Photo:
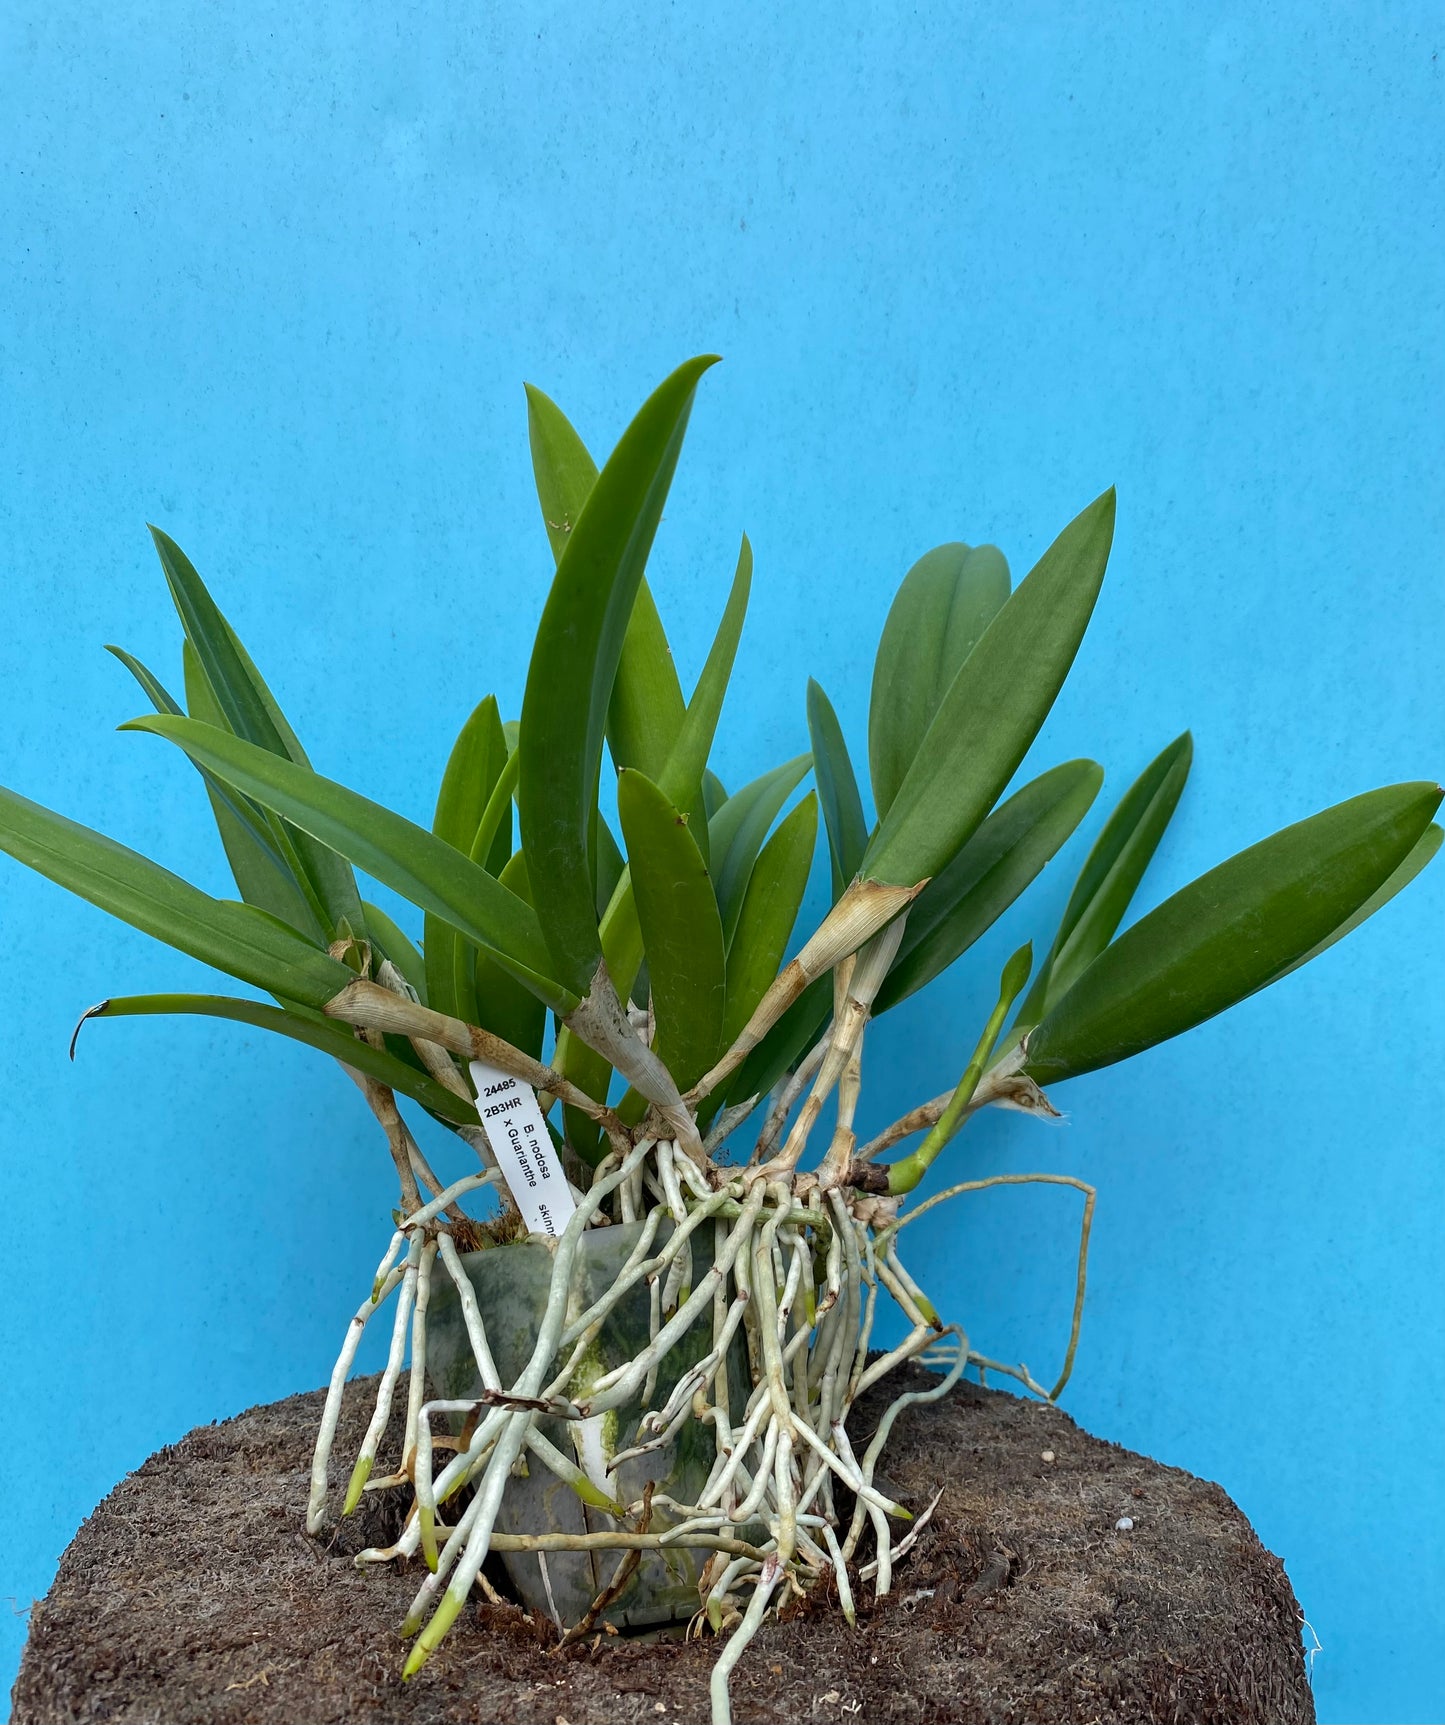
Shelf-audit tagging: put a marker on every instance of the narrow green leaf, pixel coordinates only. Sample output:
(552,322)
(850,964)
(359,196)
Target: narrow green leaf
(321,1034)
(769,910)
(947,599)
(1110,877)
(645,709)
(714,793)
(156,692)
(739,828)
(682,774)
(994,706)
(574,664)
(239,939)
(473,768)
(1231,931)
(837,790)
(503,1005)
(681,930)
(391,849)
(248,833)
(256,865)
(1423,851)
(250,711)
(565,473)
(392,942)
(998,863)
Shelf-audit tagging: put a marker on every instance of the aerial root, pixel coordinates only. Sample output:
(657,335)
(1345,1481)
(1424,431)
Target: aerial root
(788,1275)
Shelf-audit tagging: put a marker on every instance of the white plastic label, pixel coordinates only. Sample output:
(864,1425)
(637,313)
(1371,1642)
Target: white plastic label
(523,1147)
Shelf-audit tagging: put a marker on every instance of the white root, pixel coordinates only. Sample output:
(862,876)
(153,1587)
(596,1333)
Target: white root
(792,1280)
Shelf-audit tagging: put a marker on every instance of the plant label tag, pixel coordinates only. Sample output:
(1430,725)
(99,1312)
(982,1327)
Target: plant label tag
(523,1147)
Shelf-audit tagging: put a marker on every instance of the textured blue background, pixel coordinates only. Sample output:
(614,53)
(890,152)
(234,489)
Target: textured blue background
(274,282)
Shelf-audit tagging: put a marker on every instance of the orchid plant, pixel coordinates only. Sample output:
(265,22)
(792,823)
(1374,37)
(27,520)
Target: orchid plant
(639,983)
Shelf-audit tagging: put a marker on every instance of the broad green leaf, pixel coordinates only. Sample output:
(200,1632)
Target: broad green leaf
(947,599)
(681,930)
(997,864)
(786,1043)
(769,910)
(714,793)
(738,829)
(645,709)
(1231,931)
(574,664)
(504,1006)
(837,790)
(1425,848)
(248,834)
(391,849)
(250,711)
(393,943)
(237,938)
(321,1034)
(476,763)
(994,706)
(1110,876)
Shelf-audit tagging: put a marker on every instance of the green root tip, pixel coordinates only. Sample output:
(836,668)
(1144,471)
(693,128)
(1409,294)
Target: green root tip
(359,1476)
(445,1615)
(428,1528)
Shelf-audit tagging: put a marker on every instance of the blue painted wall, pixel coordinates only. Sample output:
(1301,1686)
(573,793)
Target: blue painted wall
(272,277)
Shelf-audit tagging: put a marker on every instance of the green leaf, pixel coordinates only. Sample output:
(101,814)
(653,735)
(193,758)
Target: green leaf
(239,939)
(262,875)
(714,793)
(1110,876)
(739,828)
(998,863)
(611,864)
(769,910)
(994,706)
(1424,850)
(249,710)
(391,849)
(156,692)
(472,770)
(837,790)
(393,943)
(575,662)
(320,1034)
(1231,931)
(645,709)
(565,473)
(682,774)
(503,1005)
(681,929)
(476,763)
(947,599)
